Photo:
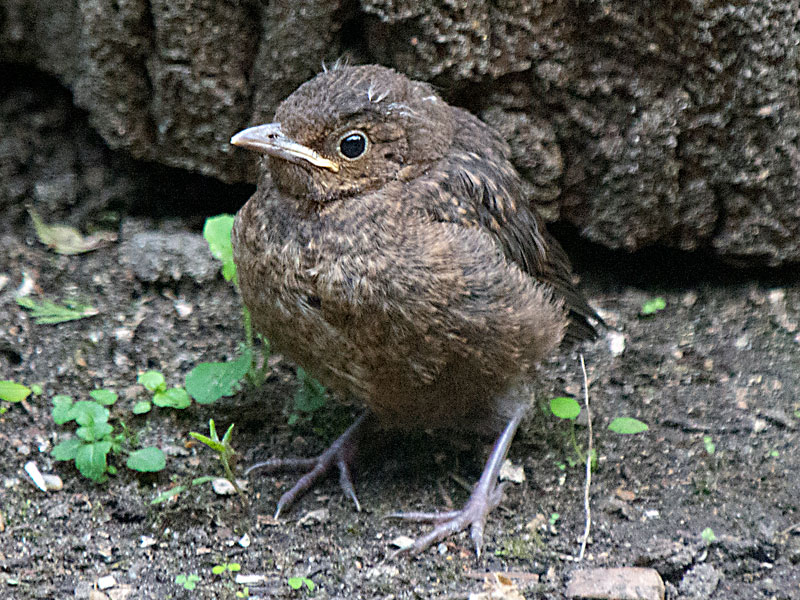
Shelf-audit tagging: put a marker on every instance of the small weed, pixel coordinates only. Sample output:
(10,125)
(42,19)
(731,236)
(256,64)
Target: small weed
(189,582)
(773,453)
(155,382)
(554,517)
(47,312)
(297,582)
(709,445)
(569,410)
(226,568)
(309,398)
(13,392)
(178,489)
(208,382)
(95,438)
(653,306)
(708,536)
(224,450)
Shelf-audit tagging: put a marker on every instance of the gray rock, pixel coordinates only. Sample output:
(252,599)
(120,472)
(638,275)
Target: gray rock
(700,582)
(166,257)
(653,125)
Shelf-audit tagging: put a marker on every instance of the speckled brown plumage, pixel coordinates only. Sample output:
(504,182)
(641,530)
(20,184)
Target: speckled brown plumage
(413,278)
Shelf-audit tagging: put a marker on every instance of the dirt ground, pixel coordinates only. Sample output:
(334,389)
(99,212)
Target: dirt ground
(719,365)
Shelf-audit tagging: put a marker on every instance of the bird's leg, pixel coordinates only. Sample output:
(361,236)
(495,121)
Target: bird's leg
(486,495)
(340,453)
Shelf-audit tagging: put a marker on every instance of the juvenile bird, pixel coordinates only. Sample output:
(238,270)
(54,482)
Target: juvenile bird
(389,250)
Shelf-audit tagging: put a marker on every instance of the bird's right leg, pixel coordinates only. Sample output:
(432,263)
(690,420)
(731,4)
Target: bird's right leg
(340,453)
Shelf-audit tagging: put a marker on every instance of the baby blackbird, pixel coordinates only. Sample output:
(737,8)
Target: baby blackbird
(390,251)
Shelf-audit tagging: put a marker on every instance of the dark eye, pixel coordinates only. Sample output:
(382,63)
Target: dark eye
(353,144)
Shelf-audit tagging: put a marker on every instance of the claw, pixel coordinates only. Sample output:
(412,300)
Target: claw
(340,453)
(486,496)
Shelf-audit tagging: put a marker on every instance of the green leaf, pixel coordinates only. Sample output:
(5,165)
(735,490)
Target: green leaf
(565,408)
(91,460)
(67,449)
(62,409)
(152,380)
(213,444)
(147,460)
(209,382)
(47,312)
(141,407)
(13,392)
(627,425)
(217,231)
(311,395)
(218,569)
(295,582)
(86,412)
(653,306)
(172,398)
(708,535)
(170,493)
(94,432)
(104,397)
(227,437)
(189,582)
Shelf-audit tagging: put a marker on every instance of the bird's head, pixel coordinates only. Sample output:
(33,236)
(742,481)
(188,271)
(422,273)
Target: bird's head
(352,130)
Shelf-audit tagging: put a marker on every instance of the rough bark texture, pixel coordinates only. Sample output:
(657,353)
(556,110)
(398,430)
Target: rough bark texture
(640,123)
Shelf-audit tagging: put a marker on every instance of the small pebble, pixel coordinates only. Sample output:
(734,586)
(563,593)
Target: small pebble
(402,542)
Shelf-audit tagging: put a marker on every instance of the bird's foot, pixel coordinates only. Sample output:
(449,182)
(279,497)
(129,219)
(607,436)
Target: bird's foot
(488,493)
(340,453)
(473,515)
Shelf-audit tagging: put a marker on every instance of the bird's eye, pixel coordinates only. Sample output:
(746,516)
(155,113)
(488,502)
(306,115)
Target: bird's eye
(353,144)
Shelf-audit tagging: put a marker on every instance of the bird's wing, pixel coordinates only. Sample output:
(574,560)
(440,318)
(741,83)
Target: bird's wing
(477,185)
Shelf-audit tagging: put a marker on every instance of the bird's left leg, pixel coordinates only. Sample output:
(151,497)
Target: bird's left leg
(340,454)
(485,497)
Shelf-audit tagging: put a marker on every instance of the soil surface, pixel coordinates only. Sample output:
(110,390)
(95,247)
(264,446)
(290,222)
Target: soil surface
(715,375)
(719,365)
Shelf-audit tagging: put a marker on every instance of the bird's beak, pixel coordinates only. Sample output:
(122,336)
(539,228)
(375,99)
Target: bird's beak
(269,139)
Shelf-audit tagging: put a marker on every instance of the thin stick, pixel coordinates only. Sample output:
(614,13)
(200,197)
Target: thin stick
(586,507)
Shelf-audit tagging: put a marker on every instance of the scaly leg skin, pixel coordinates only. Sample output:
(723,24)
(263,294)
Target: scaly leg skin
(340,453)
(485,497)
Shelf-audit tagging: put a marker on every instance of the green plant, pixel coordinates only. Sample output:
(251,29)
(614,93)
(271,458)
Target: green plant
(188,582)
(11,391)
(709,445)
(568,409)
(95,438)
(179,489)
(708,536)
(226,568)
(309,398)
(224,450)
(651,307)
(47,312)
(554,517)
(175,397)
(297,582)
(210,381)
